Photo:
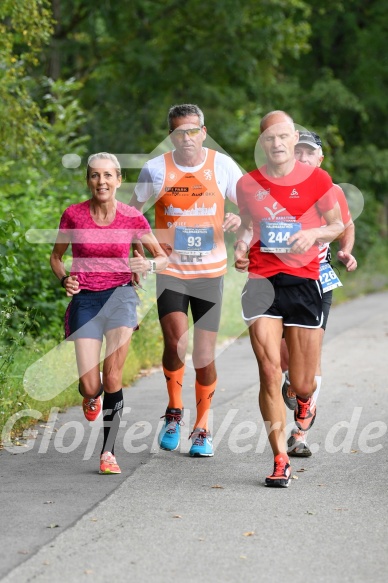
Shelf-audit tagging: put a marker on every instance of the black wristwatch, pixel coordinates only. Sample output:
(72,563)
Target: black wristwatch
(63,279)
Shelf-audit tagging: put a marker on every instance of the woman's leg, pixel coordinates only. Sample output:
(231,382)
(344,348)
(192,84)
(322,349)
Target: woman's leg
(117,344)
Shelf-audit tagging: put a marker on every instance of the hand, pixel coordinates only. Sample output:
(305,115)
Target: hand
(139,249)
(348,260)
(231,222)
(241,264)
(241,261)
(71,285)
(302,241)
(138,263)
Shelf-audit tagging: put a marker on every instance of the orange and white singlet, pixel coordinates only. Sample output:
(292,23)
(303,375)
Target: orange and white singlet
(189,212)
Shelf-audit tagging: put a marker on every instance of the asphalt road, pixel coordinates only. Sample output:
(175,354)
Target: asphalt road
(172,517)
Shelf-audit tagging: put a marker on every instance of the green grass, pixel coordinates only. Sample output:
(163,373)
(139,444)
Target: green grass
(370,276)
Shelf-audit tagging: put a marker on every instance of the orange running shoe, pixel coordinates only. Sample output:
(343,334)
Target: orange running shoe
(108,464)
(92,408)
(305,413)
(281,472)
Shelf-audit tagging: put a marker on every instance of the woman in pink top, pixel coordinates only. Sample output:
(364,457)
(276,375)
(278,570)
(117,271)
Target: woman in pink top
(100,284)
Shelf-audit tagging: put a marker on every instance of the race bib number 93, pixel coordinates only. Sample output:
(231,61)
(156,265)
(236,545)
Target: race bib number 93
(194,241)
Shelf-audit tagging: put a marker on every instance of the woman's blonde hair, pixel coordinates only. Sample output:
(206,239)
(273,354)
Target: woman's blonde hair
(103,156)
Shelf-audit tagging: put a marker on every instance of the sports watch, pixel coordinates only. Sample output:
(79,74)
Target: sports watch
(152,268)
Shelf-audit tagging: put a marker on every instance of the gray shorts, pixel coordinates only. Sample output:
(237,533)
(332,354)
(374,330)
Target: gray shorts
(90,314)
(326,305)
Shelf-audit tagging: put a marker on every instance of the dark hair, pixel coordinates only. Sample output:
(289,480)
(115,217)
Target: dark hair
(184,110)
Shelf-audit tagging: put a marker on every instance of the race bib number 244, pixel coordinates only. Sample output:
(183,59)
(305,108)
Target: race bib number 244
(275,234)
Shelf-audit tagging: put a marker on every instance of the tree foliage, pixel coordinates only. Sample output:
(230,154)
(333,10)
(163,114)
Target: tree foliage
(79,75)
(25,28)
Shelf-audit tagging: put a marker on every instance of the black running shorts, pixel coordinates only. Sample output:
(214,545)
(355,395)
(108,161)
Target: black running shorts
(295,300)
(203,295)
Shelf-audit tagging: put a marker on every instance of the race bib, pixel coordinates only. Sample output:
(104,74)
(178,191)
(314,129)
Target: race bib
(275,234)
(194,240)
(328,277)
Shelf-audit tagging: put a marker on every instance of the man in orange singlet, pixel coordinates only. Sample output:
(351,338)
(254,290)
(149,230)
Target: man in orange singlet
(189,186)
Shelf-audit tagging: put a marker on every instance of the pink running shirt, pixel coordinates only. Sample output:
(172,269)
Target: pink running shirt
(101,253)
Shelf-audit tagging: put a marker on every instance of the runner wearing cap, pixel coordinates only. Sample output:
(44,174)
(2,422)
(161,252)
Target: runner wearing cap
(308,150)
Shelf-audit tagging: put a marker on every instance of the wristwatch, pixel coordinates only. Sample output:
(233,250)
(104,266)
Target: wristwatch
(152,268)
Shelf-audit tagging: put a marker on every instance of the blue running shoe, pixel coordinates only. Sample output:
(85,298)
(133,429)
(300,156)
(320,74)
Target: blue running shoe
(202,443)
(170,435)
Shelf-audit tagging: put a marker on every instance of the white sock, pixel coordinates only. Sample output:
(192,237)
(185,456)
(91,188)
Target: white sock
(318,378)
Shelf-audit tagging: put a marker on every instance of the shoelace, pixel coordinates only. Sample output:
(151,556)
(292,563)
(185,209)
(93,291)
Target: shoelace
(303,408)
(91,404)
(201,436)
(173,419)
(279,469)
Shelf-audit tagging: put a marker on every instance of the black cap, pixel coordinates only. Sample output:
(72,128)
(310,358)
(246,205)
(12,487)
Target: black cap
(310,139)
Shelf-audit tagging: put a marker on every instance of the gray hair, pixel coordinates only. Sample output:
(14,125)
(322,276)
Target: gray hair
(184,110)
(103,156)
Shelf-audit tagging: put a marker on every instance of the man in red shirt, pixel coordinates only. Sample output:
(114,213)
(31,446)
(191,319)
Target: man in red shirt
(281,207)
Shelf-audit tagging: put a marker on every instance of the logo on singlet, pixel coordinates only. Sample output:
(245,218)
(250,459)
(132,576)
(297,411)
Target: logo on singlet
(262,194)
(273,213)
(294,194)
(208,174)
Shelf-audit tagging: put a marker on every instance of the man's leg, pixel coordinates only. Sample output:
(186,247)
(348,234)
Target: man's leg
(265,334)
(297,442)
(206,302)
(175,336)
(206,374)
(304,352)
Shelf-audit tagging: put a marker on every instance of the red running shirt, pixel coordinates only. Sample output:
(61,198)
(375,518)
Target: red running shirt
(302,196)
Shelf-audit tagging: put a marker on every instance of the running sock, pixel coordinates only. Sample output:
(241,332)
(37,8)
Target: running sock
(203,395)
(112,411)
(174,380)
(318,379)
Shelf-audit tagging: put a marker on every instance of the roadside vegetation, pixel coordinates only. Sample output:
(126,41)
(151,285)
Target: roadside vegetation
(76,79)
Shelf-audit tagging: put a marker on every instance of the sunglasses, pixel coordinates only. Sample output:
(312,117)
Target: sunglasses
(191,132)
